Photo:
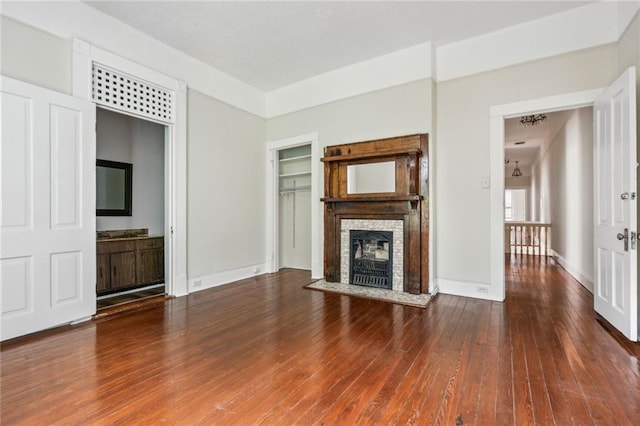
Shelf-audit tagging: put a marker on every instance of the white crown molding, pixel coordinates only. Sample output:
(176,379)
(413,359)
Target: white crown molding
(592,25)
(74,19)
(402,66)
(589,26)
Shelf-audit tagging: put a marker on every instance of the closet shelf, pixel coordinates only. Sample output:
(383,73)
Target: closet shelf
(295,174)
(301,157)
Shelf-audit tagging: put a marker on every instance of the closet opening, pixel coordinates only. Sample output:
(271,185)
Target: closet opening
(294,207)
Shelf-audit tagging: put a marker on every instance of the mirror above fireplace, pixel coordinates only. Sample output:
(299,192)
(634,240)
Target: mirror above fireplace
(371,178)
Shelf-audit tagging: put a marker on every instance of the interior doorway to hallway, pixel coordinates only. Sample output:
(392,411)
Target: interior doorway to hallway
(549,188)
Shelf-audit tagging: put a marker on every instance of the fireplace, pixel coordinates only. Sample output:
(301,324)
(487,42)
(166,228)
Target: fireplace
(371,255)
(401,209)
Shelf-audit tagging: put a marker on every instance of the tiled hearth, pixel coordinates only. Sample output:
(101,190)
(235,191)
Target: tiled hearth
(394,226)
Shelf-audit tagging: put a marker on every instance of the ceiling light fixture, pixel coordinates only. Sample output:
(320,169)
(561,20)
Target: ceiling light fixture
(516,171)
(532,120)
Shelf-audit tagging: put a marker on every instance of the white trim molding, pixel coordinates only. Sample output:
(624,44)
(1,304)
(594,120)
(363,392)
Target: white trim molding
(225,277)
(83,56)
(75,19)
(476,290)
(592,25)
(272,207)
(396,68)
(585,280)
(581,28)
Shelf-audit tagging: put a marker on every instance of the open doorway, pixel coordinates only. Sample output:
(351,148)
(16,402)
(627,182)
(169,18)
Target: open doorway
(549,189)
(130,264)
(293,169)
(294,207)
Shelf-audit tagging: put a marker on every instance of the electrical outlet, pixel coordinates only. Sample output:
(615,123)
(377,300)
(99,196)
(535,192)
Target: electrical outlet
(485,182)
(197,283)
(482,289)
(256,269)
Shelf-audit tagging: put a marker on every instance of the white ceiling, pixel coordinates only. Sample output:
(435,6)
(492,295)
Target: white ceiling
(271,44)
(534,138)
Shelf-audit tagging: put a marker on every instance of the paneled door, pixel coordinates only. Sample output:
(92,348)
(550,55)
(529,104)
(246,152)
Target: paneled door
(47,218)
(616,274)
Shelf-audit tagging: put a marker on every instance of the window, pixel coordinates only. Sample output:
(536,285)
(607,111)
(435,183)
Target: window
(515,205)
(508,207)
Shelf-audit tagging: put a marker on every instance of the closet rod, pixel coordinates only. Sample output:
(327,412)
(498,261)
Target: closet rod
(296,189)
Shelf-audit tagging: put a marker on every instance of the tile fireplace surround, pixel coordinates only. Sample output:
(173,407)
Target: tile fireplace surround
(394,226)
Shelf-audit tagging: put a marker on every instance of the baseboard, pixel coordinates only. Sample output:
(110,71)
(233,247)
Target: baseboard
(467,289)
(180,286)
(584,280)
(225,277)
(316,270)
(433,287)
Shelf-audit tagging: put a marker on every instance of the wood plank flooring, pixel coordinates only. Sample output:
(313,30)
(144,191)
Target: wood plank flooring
(266,351)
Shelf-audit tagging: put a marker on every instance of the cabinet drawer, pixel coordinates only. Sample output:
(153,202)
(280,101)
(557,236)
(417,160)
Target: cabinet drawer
(150,243)
(104,247)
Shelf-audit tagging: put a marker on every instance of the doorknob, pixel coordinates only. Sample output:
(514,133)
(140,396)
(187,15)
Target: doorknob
(624,237)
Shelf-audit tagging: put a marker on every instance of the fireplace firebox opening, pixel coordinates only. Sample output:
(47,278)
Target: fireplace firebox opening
(371,255)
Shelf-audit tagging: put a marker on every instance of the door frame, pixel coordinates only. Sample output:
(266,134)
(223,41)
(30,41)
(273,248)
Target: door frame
(83,56)
(498,113)
(272,209)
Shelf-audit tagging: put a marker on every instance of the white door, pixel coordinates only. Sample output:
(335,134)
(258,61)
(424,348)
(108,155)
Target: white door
(47,218)
(616,282)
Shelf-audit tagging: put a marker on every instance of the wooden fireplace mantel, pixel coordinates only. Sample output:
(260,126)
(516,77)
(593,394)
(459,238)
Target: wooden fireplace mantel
(409,201)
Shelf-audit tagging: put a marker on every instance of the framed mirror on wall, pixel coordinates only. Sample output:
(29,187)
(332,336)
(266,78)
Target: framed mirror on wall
(113,188)
(371,178)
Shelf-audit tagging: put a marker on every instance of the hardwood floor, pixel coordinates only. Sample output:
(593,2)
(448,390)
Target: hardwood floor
(266,351)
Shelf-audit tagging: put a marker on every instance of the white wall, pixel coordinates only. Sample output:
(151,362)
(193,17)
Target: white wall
(226,171)
(226,149)
(462,142)
(35,57)
(147,157)
(400,110)
(462,107)
(142,143)
(564,177)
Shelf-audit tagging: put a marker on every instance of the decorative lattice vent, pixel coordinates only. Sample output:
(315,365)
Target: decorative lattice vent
(121,91)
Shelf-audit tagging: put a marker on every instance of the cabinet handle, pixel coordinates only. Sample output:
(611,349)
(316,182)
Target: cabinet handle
(114,271)
(100,272)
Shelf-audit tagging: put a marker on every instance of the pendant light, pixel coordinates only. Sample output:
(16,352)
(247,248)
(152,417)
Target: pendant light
(516,171)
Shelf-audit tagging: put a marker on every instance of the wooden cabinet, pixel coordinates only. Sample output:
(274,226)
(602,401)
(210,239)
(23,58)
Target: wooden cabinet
(103,278)
(129,263)
(150,260)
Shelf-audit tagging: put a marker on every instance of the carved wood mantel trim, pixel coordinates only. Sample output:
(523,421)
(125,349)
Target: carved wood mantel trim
(409,202)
